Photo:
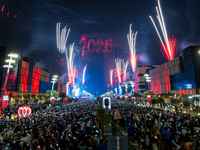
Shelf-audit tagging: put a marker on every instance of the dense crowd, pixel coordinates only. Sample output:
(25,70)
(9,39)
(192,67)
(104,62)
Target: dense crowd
(77,126)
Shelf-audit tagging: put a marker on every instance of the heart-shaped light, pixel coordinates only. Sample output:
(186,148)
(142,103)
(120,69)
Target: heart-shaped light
(24,111)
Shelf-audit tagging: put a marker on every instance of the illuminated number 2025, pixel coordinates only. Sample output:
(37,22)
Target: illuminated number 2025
(99,43)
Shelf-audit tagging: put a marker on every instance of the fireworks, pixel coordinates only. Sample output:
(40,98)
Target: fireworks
(2,9)
(70,64)
(84,69)
(61,46)
(61,37)
(111,76)
(132,42)
(169,45)
(118,68)
(125,65)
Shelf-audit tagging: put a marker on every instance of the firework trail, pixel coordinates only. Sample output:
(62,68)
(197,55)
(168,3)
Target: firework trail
(84,69)
(61,46)
(125,65)
(70,64)
(111,76)
(2,9)
(168,45)
(132,42)
(61,37)
(119,69)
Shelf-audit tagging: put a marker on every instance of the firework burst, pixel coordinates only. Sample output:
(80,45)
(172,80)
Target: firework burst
(125,65)
(132,42)
(84,69)
(168,45)
(119,69)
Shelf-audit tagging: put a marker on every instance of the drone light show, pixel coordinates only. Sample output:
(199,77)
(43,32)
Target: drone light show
(95,46)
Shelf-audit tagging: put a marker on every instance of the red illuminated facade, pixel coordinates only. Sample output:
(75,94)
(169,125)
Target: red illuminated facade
(161,76)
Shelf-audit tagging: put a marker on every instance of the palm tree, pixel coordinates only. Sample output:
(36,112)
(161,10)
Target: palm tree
(27,98)
(33,96)
(186,104)
(137,95)
(160,101)
(40,97)
(62,95)
(54,94)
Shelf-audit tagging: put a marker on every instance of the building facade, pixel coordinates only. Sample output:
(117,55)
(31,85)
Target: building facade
(180,75)
(24,77)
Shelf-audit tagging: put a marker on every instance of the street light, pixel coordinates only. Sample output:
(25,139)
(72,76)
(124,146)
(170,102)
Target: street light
(9,61)
(53,80)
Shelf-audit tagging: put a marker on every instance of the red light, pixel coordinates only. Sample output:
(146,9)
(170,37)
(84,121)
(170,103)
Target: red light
(7,14)
(2,8)
(83,38)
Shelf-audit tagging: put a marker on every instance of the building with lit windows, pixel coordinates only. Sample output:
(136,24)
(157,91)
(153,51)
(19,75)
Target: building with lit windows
(24,77)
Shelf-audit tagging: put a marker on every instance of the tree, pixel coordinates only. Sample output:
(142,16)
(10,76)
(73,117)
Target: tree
(100,111)
(47,101)
(186,104)
(62,95)
(54,94)
(153,101)
(146,93)
(183,97)
(27,97)
(106,119)
(40,97)
(160,101)
(33,96)
(136,95)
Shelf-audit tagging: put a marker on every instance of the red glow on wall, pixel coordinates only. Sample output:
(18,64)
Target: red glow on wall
(7,14)
(36,80)
(158,84)
(170,52)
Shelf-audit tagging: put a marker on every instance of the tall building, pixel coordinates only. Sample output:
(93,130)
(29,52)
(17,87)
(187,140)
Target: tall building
(24,77)
(140,78)
(180,75)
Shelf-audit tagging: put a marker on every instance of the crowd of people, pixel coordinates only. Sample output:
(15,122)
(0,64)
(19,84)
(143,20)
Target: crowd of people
(76,126)
(155,129)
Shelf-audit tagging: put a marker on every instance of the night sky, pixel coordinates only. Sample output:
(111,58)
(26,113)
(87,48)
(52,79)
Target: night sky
(30,29)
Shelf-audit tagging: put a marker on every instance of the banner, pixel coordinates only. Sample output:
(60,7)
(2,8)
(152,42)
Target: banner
(4,104)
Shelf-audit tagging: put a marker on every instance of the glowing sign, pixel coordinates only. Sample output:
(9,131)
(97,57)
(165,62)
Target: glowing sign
(92,46)
(24,111)
(189,86)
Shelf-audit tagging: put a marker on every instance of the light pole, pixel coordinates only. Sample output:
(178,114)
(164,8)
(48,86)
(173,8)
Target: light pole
(9,61)
(53,80)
